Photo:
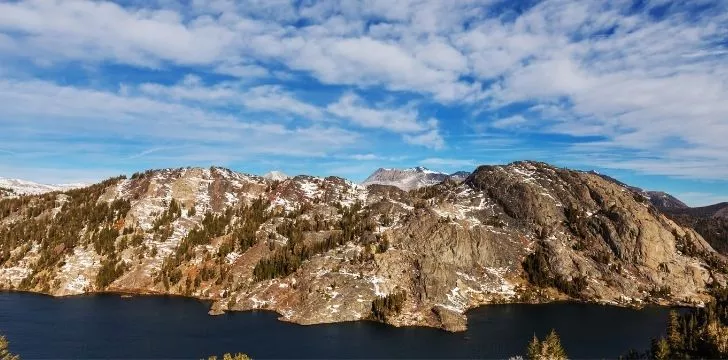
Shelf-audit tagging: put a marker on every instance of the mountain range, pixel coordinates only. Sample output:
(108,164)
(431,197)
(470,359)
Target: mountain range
(25,187)
(318,250)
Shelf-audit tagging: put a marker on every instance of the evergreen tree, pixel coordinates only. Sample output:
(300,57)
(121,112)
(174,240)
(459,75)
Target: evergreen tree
(5,353)
(551,346)
(548,349)
(388,305)
(674,338)
(660,349)
(533,350)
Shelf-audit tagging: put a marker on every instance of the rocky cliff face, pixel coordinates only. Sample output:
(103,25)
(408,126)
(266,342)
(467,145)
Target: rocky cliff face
(321,250)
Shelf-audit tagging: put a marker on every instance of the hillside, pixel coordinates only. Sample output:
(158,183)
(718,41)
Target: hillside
(320,250)
(709,221)
(719,210)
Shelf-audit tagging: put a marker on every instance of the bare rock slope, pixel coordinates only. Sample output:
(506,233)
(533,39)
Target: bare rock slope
(320,250)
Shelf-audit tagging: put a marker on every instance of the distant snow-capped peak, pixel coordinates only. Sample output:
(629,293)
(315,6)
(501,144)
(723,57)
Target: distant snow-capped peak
(411,178)
(25,187)
(276,175)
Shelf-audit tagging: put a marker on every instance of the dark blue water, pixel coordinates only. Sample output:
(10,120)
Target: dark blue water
(107,326)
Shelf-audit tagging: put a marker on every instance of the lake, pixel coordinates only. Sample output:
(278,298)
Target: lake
(103,326)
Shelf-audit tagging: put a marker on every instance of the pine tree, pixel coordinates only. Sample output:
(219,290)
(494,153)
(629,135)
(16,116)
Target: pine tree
(5,351)
(660,349)
(553,348)
(548,349)
(674,339)
(533,351)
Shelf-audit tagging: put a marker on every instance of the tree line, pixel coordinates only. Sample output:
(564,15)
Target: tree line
(352,227)
(386,306)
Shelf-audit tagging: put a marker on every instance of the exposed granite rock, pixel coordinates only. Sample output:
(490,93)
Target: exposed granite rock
(525,232)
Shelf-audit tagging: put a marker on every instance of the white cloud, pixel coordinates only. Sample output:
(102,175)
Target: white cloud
(639,82)
(431,139)
(86,30)
(403,120)
(274,98)
(508,122)
(365,157)
(352,107)
(63,111)
(270,98)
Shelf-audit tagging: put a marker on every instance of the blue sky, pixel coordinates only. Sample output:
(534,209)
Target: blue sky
(634,89)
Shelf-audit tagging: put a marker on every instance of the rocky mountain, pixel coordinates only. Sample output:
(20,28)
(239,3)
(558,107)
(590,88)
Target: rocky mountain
(276,175)
(318,250)
(709,221)
(412,178)
(663,200)
(659,199)
(24,187)
(459,176)
(719,210)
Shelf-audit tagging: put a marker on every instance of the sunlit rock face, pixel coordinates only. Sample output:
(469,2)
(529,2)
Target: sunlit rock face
(320,250)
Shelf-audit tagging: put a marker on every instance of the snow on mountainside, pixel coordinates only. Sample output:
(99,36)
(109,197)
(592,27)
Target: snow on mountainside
(24,187)
(320,250)
(276,175)
(412,178)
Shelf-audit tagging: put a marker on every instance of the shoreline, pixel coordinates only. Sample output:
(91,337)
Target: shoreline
(280,317)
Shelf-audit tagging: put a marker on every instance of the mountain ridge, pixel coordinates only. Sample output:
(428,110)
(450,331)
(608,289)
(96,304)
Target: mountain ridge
(318,250)
(411,178)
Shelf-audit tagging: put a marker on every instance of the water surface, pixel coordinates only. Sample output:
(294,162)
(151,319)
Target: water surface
(108,326)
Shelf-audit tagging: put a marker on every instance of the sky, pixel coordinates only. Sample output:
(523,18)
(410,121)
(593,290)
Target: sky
(634,89)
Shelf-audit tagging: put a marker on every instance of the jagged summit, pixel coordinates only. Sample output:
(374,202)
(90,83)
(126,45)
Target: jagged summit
(411,178)
(405,179)
(276,175)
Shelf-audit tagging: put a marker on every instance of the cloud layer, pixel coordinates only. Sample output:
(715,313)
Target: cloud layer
(638,86)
